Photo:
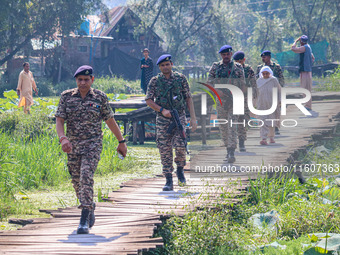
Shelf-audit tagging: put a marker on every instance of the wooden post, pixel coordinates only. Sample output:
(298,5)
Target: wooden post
(204,129)
(134,137)
(141,132)
(126,127)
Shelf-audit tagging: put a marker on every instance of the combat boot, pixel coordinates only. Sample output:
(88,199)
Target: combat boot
(231,155)
(241,145)
(180,176)
(169,184)
(92,218)
(83,227)
(277,131)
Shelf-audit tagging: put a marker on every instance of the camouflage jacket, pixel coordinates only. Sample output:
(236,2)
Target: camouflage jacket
(169,93)
(277,72)
(231,73)
(250,78)
(84,117)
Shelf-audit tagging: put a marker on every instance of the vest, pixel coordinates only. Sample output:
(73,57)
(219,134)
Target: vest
(223,75)
(170,97)
(306,62)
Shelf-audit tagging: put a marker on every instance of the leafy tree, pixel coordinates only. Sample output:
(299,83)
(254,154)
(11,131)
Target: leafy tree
(192,32)
(22,20)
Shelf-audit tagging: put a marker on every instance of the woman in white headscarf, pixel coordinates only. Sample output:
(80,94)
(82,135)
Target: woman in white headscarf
(265,85)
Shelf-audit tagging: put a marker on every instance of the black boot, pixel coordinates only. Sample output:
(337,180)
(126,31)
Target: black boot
(83,227)
(92,217)
(169,184)
(241,145)
(180,176)
(277,131)
(231,155)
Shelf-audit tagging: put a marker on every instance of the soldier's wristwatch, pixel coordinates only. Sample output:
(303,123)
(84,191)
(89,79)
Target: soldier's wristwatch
(122,141)
(160,110)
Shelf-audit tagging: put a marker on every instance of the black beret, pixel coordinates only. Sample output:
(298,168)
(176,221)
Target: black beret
(165,57)
(238,55)
(266,53)
(83,70)
(225,48)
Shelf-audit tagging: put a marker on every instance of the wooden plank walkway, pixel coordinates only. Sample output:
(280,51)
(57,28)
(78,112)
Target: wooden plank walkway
(288,144)
(125,224)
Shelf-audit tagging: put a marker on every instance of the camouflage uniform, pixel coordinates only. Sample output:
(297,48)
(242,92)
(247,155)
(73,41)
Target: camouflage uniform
(232,73)
(250,82)
(277,72)
(163,90)
(84,122)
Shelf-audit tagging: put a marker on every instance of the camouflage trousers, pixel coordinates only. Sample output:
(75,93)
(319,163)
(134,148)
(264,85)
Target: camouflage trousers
(82,168)
(242,129)
(228,132)
(167,141)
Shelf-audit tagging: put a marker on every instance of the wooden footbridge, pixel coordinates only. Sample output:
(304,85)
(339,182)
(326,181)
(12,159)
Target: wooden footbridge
(125,224)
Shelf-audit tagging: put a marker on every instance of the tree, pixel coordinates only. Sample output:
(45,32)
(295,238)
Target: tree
(191,31)
(22,20)
(178,22)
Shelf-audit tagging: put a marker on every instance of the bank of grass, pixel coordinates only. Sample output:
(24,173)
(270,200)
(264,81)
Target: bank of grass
(313,207)
(331,82)
(33,171)
(107,84)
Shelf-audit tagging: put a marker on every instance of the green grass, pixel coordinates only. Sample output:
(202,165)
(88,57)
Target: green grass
(26,203)
(331,82)
(303,209)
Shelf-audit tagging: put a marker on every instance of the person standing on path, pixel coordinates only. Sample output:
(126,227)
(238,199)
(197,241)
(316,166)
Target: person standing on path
(226,71)
(84,109)
(147,70)
(277,72)
(26,83)
(169,91)
(249,75)
(305,65)
(265,84)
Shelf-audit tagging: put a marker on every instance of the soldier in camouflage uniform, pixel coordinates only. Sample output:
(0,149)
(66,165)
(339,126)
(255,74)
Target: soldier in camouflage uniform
(277,72)
(227,71)
(249,74)
(170,90)
(84,109)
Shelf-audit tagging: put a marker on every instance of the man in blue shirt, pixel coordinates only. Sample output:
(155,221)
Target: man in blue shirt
(305,65)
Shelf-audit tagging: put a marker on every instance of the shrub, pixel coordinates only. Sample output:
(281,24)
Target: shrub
(4,86)
(116,85)
(332,82)
(45,87)
(33,125)
(9,121)
(64,85)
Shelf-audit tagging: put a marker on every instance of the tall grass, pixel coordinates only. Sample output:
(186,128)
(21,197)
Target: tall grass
(271,189)
(116,85)
(332,82)
(31,157)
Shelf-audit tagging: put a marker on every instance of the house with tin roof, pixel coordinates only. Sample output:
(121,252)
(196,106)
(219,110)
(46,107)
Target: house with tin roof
(108,42)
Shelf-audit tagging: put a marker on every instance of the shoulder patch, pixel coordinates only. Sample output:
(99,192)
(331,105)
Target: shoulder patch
(238,65)
(69,91)
(99,92)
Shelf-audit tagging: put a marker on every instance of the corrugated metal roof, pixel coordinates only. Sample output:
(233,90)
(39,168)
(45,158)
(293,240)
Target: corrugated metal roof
(114,15)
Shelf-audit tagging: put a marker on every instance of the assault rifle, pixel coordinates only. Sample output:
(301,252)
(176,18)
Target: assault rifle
(176,123)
